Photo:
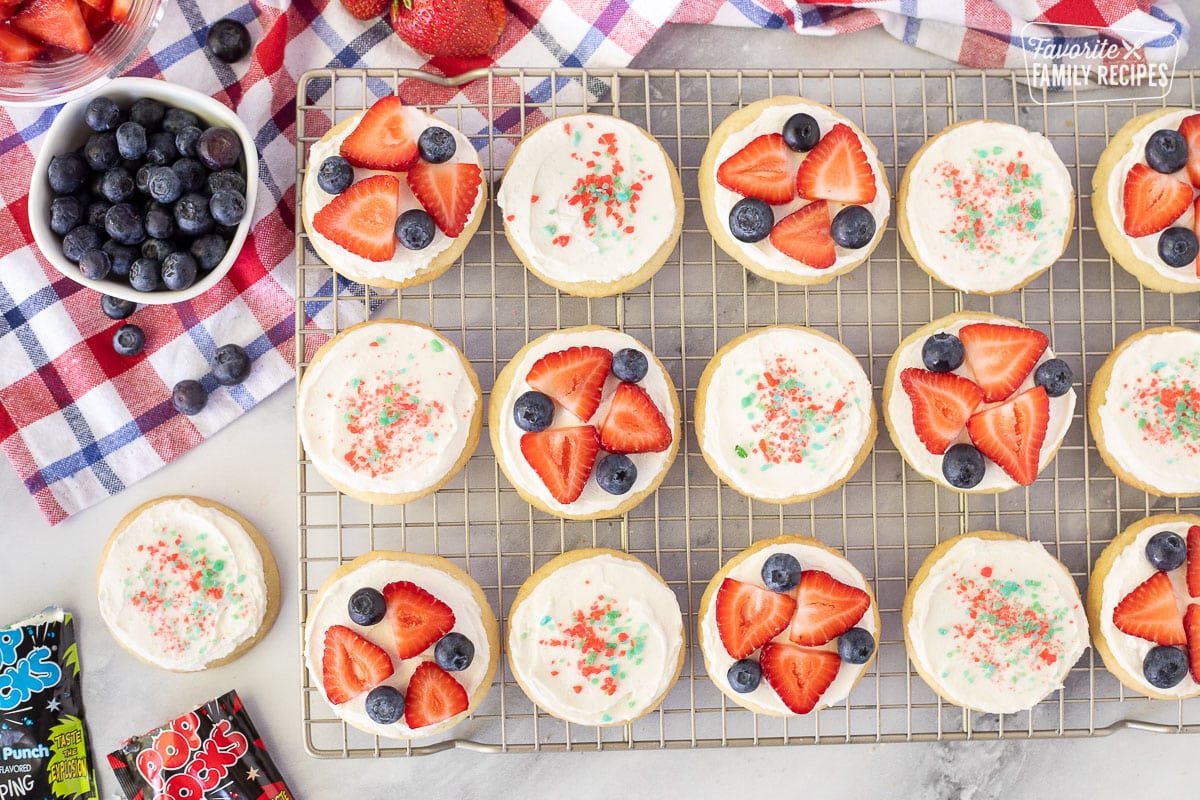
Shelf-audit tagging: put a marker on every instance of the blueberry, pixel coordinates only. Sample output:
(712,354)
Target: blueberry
(963,466)
(801,133)
(145,274)
(228,179)
(189,397)
(1164,666)
(115,307)
(385,705)
(209,250)
(415,229)
(147,113)
(124,224)
(176,119)
(855,646)
(1166,151)
(95,265)
(219,148)
(227,207)
(67,173)
(942,352)
(160,222)
(1177,247)
(129,340)
(228,40)
(781,572)
(141,178)
(192,215)
(117,185)
(1054,376)
(454,652)
(230,365)
(335,175)
(192,174)
(186,140)
(751,220)
(853,227)
(744,676)
(65,213)
(131,141)
(616,473)
(436,145)
(533,411)
(97,210)
(100,151)
(163,184)
(158,249)
(1166,550)
(120,256)
(102,114)
(179,270)
(160,149)
(366,606)
(630,364)
(79,240)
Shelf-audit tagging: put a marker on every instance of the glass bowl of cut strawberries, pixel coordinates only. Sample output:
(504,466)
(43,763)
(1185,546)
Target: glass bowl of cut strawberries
(54,50)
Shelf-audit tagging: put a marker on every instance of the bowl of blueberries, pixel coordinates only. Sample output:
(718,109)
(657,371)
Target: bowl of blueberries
(144,191)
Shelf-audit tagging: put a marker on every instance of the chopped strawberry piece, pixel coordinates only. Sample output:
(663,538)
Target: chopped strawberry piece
(760,169)
(56,22)
(804,235)
(447,191)
(749,616)
(562,458)
(362,219)
(1196,227)
(634,424)
(942,403)
(98,5)
(837,169)
(573,378)
(382,139)
(351,665)
(119,11)
(1190,129)
(418,618)
(433,696)
(1011,434)
(799,675)
(1191,627)
(1153,200)
(1150,612)
(98,22)
(15,48)
(825,608)
(1001,356)
(1193,560)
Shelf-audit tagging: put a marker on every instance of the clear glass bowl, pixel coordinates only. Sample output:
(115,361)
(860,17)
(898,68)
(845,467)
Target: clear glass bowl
(46,83)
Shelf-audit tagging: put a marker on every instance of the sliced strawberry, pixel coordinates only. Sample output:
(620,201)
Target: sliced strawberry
(573,378)
(837,169)
(447,191)
(804,235)
(942,403)
(382,139)
(97,5)
(1191,627)
(1193,561)
(799,675)
(98,22)
(15,48)
(760,169)
(1001,356)
(1011,434)
(1190,129)
(119,11)
(1153,200)
(1150,612)
(433,696)
(825,608)
(351,665)
(749,616)
(562,458)
(633,423)
(56,22)
(362,219)
(1196,227)
(418,618)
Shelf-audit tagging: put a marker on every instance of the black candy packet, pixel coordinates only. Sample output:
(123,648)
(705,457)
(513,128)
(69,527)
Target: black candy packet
(212,753)
(44,750)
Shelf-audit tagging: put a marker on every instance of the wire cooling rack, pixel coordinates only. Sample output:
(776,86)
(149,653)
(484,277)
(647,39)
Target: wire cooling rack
(886,518)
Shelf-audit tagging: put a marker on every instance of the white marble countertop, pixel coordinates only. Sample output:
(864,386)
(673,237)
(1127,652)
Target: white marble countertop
(251,467)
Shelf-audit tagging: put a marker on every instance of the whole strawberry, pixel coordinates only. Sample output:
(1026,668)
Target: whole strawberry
(449,28)
(365,9)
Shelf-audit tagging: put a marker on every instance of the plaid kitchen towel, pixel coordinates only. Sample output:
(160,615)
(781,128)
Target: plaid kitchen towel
(79,423)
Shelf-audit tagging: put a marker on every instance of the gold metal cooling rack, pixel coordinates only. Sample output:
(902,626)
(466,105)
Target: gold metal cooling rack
(886,518)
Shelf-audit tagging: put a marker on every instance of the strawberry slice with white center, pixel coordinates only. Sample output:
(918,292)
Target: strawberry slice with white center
(383,138)
(1153,200)
(56,22)
(1189,128)
(562,458)
(805,236)
(1193,560)
(350,665)
(749,616)
(418,618)
(1011,434)
(447,191)
(942,402)
(1150,612)
(15,48)
(573,378)
(633,423)
(760,169)
(837,169)
(362,219)
(1001,356)
(799,675)
(119,10)
(825,608)
(433,696)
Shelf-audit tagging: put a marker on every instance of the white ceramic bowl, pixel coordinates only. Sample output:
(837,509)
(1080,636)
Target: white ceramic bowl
(68,132)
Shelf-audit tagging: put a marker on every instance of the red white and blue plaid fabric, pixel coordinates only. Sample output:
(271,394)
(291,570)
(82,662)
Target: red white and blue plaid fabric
(79,423)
